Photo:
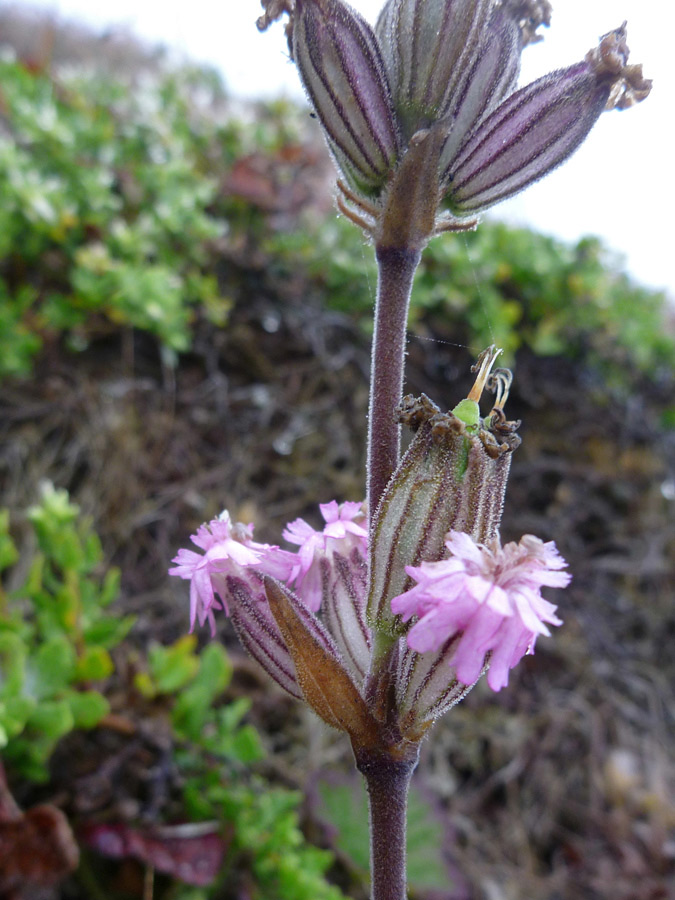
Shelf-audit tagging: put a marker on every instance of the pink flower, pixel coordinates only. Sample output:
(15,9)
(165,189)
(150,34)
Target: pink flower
(229,572)
(344,531)
(488,597)
(228,550)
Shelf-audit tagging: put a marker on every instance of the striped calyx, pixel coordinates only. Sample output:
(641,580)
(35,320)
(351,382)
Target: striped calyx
(429,96)
(341,66)
(539,126)
(453,477)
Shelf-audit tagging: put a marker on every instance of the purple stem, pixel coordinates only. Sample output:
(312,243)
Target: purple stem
(396,270)
(387,780)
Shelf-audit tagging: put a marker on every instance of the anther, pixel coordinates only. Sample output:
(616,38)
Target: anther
(483,365)
(499,384)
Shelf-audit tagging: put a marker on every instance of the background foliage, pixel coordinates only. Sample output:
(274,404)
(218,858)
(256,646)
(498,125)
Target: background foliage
(117,201)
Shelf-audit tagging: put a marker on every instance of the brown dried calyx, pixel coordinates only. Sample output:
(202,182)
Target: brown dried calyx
(274,10)
(415,411)
(530,15)
(498,435)
(609,59)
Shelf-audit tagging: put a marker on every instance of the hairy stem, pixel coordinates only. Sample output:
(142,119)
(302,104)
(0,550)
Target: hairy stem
(396,270)
(388,780)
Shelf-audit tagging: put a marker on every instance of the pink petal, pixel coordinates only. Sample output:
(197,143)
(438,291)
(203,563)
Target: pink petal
(330,511)
(425,634)
(463,546)
(523,601)
(298,531)
(350,509)
(509,649)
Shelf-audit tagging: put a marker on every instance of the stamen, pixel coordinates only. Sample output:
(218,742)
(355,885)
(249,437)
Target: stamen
(499,384)
(483,365)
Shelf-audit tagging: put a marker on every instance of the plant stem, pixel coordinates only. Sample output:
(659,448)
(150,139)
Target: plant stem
(387,780)
(396,270)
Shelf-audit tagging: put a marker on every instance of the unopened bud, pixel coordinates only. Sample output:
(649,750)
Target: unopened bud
(427,47)
(539,126)
(342,71)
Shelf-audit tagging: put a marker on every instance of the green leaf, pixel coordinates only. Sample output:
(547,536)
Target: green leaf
(28,756)
(8,551)
(13,653)
(426,867)
(108,632)
(52,718)
(94,665)
(231,715)
(110,588)
(51,669)
(215,671)
(54,509)
(173,667)
(193,705)
(345,806)
(14,713)
(145,685)
(246,745)
(87,707)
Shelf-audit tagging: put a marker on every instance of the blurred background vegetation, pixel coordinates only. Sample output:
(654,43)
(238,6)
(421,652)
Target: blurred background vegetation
(184,326)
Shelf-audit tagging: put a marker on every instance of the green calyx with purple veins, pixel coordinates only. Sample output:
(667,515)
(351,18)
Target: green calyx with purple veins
(428,99)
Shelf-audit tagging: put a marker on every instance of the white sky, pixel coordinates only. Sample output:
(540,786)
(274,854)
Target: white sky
(619,185)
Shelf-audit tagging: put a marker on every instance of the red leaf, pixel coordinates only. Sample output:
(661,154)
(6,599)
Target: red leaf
(37,848)
(193,853)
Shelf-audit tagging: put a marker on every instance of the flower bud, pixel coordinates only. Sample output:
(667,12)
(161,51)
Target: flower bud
(259,634)
(426,689)
(326,685)
(344,583)
(420,114)
(539,126)
(341,67)
(427,48)
(489,75)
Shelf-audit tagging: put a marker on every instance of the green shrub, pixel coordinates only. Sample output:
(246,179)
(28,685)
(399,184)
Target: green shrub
(55,663)
(503,285)
(104,210)
(113,215)
(55,635)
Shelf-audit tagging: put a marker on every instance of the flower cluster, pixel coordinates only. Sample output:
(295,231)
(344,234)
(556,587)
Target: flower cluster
(482,602)
(423,109)
(408,609)
(229,549)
